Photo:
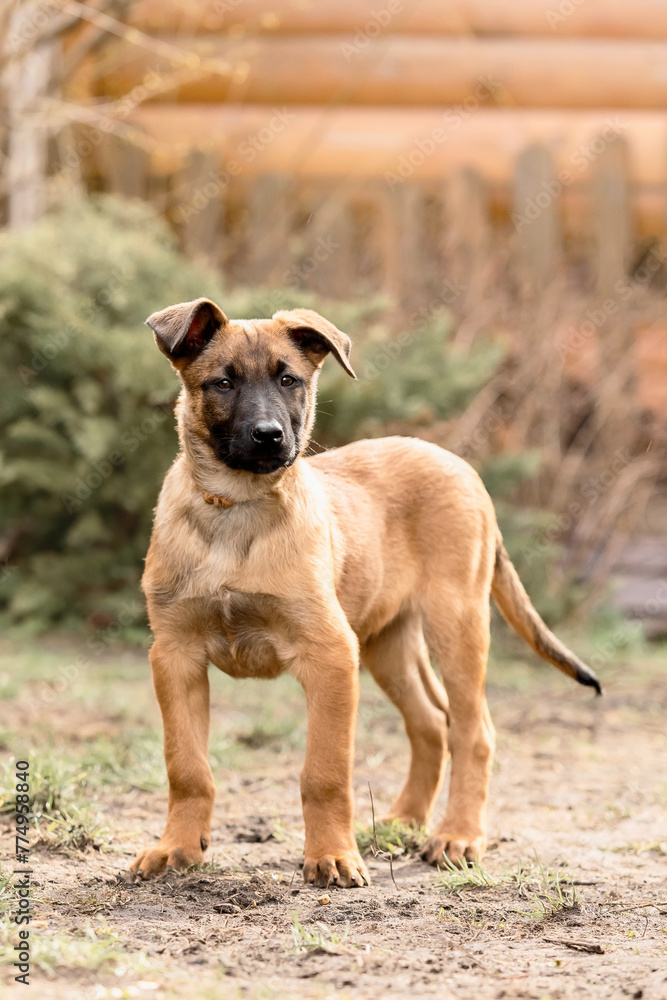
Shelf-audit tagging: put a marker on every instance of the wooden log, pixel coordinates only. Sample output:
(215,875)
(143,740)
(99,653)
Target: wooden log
(594,18)
(402,71)
(360,143)
(365,142)
(535,218)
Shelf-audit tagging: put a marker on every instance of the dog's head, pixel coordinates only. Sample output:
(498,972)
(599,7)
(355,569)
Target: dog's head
(249,385)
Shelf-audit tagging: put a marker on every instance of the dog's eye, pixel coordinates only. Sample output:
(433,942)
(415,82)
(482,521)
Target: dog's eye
(287,380)
(223,384)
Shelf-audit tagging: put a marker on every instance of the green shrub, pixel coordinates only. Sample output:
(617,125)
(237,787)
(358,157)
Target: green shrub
(86,417)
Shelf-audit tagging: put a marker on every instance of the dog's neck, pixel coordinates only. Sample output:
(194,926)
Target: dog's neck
(224,487)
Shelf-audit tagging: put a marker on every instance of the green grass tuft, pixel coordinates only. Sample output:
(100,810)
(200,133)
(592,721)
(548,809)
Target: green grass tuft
(453,878)
(393,837)
(547,892)
(318,937)
(72,830)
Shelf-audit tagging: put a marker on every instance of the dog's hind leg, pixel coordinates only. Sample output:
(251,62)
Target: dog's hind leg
(181,685)
(398,660)
(458,637)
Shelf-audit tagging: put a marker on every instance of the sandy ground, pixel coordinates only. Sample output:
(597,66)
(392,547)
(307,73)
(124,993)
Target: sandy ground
(580,781)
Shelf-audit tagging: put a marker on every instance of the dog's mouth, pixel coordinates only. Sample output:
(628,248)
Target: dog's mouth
(259,465)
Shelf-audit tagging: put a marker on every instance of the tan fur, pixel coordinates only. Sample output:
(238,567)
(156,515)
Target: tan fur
(376,553)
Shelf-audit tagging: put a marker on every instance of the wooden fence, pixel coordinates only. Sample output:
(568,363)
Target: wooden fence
(389,234)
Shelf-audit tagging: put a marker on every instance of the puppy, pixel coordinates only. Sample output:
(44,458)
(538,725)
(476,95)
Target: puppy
(382,553)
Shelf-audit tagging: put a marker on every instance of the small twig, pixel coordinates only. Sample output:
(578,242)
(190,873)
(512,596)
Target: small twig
(635,906)
(377,853)
(474,960)
(587,946)
(292,878)
(375,839)
(391,870)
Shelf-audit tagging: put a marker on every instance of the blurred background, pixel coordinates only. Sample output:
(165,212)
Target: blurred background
(475,191)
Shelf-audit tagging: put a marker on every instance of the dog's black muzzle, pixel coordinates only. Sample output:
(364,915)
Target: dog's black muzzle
(261,447)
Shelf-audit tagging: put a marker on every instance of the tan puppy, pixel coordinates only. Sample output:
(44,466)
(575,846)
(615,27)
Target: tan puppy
(383,553)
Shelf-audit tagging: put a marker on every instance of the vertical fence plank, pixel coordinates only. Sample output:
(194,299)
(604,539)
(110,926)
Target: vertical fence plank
(405,246)
(535,218)
(466,241)
(198,206)
(370,235)
(611,215)
(124,165)
(612,248)
(615,387)
(326,264)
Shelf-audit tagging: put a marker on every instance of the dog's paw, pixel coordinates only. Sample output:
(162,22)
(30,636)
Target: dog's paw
(155,860)
(346,870)
(454,847)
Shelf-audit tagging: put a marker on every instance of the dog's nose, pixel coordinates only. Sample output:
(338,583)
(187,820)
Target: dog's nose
(267,432)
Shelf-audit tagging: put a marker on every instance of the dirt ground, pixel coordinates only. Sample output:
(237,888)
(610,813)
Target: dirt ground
(578,781)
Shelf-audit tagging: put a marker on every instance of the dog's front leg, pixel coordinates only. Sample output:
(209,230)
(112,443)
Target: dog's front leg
(331,682)
(181,684)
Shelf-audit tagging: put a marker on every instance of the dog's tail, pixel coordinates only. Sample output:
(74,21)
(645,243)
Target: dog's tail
(515,607)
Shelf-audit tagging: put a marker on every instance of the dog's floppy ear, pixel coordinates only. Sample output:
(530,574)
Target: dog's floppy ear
(183,331)
(316,336)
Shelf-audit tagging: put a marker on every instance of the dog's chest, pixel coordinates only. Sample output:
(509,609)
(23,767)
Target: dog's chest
(239,590)
(249,635)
